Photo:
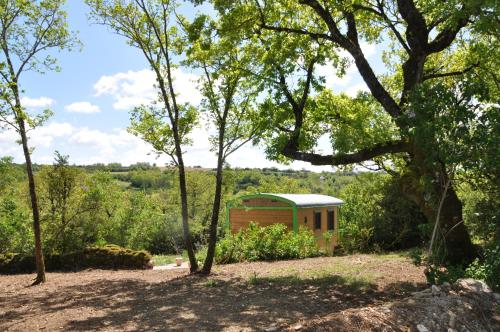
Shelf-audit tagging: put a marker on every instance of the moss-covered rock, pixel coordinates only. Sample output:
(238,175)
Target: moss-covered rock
(107,257)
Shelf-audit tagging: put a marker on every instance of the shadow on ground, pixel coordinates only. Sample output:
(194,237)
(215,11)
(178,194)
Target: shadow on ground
(192,302)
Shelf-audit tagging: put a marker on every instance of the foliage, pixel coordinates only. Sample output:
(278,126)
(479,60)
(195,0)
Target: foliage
(377,217)
(482,212)
(107,257)
(273,242)
(146,178)
(16,233)
(437,274)
(487,267)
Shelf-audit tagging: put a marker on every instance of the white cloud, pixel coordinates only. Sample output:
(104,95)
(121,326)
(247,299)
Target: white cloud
(44,136)
(368,49)
(82,107)
(332,76)
(8,146)
(354,89)
(37,102)
(41,138)
(133,88)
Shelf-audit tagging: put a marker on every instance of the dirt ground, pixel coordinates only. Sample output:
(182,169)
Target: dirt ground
(238,297)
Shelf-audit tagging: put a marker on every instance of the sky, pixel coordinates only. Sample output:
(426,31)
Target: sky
(92,95)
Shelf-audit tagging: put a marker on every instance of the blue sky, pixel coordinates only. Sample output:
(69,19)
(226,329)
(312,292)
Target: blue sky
(97,86)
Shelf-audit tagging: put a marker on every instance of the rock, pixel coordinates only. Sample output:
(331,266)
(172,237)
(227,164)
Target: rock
(453,320)
(446,284)
(472,285)
(496,296)
(419,295)
(297,327)
(385,309)
(435,290)
(271,328)
(422,328)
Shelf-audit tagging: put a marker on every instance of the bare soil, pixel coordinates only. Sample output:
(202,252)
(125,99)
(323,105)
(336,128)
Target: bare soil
(237,297)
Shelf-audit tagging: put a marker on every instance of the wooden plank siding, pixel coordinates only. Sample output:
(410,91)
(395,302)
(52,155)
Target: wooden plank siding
(240,218)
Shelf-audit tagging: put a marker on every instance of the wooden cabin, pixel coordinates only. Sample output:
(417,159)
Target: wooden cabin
(317,212)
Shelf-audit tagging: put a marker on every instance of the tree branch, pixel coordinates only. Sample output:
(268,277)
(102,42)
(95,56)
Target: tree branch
(313,35)
(453,73)
(446,37)
(291,151)
(416,31)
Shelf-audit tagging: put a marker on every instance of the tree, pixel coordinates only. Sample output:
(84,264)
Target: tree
(63,199)
(151,27)
(29,29)
(228,105)
(435,48)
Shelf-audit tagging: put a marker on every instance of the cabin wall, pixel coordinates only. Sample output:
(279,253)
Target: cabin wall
(308,213)
(239,217)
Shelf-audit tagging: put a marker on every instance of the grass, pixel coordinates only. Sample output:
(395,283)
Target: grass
(211,283)
(358,284)
(354,276)
(169,259)
(164,259)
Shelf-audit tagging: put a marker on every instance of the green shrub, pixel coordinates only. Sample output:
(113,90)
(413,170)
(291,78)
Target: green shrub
(377,216)
(436,275)
(273,242)
(487,268)
(107,257)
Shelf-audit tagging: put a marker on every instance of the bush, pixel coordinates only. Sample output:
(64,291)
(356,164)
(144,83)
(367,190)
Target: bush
(273,242)
(487,268)
(107,257)
(436,275)
(377,216)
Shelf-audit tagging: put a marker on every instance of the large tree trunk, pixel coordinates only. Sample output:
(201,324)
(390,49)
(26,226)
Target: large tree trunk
(453,245)
(457,242)
(188,241)
(40,264)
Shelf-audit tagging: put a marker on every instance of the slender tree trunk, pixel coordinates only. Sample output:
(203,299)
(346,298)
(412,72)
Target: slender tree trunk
(207,266)
(188,241)
(40,264)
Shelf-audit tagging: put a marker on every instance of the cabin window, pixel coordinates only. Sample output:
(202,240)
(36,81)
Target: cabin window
(246,200)
(305,220)
(317,220)
(331,220)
